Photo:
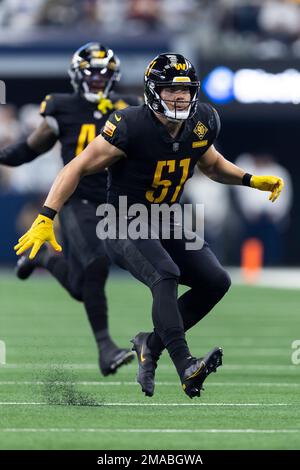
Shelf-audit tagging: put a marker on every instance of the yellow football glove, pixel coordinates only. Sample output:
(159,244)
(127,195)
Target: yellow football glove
(268,183)
(40,232)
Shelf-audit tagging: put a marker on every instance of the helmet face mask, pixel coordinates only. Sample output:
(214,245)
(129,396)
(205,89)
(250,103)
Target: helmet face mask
(94,71)
(165,72)
(96,81)
(177,109)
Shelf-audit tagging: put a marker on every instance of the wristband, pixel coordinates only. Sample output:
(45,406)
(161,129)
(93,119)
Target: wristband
(246,179)
(48,212)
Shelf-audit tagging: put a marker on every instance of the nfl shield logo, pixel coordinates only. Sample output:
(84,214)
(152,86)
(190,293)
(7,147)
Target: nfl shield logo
(175,146)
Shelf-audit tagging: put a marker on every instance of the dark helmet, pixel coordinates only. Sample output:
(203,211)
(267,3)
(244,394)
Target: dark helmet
(170,70)
(94,70)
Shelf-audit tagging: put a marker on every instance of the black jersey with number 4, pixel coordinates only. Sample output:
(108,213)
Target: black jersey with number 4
(79,122)
(156,165)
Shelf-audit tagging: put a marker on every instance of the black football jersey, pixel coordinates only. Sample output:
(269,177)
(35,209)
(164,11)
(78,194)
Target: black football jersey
(79,122)
(157,165)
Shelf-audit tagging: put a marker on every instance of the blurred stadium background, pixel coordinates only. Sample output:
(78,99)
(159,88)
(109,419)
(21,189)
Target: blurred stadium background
(247,53)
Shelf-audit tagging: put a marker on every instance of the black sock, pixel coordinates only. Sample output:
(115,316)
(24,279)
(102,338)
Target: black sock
(155,344)
(168,323)
(104,341)
(91,293)
(94,298)
(177,347)
(194,305)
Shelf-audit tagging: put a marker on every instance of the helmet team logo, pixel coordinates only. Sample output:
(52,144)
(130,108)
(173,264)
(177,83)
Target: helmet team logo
(180,66)
(98,54)
(109,128)
(200,130)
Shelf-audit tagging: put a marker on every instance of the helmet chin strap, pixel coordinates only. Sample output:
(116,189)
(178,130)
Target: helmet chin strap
(175,116)
(92,97)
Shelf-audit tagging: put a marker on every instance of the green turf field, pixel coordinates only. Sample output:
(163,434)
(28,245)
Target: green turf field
(52,396)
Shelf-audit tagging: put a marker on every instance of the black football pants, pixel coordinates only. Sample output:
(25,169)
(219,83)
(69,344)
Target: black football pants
(162,265)
(84,268)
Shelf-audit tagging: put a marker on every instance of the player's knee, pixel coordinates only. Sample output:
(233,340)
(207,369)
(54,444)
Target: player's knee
(169,270)
(76,282)
(222,282)
(76,292)
(97,270)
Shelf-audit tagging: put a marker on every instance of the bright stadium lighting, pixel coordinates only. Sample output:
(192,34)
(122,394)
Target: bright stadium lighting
(218,85)
(247,86)
(259,86)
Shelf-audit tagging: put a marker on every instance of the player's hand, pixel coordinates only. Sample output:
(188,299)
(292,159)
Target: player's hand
(268,183)
(40,232)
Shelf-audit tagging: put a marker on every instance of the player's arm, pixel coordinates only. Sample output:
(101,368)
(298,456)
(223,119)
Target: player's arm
(97,156)
(40,141)
(217,168)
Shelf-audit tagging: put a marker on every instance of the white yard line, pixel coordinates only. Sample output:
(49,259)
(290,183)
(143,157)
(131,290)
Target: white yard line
(13,403)
(148,431)
(165,367)
(165,383)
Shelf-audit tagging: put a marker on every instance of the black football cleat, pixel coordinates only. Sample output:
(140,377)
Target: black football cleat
(147,363)
(199,369)
(110,361)
(25,267)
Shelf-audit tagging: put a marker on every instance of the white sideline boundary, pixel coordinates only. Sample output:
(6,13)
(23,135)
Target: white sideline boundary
(282,278)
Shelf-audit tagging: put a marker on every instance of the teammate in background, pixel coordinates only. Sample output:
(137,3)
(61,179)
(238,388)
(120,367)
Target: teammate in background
(75,119)
(151,150)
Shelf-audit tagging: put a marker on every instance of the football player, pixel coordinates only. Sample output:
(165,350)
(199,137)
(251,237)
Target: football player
(151,150)
(75,119)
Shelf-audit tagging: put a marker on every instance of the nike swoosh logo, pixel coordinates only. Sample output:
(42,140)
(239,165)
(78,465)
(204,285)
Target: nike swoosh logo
(118,118)
(41,222)
(142,355)
(202,365)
